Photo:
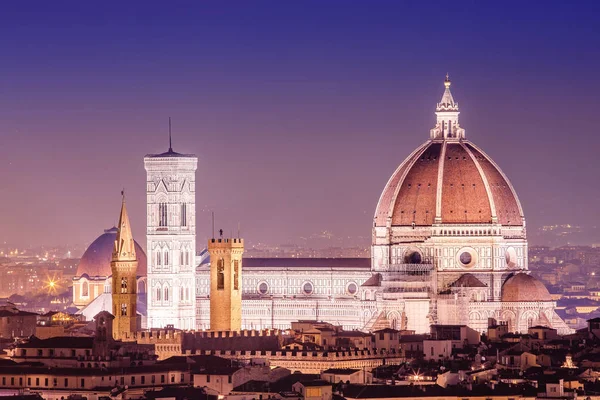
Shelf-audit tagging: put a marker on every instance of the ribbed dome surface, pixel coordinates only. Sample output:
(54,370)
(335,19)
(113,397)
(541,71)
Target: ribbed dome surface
(523,287)
(96,259)
(453,181)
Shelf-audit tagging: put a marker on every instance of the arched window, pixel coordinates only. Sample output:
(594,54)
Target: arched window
(166,257)
(181,257)
(158,258)
(162,214)
(123,285)
(187,257)
(124,310)
(181,294)
(85,290)
(158,294)
(166,293)
(187,293)
(221,274)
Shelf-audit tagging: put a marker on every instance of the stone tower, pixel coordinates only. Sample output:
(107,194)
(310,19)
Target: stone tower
(124,283)
(171,239)
(226,284)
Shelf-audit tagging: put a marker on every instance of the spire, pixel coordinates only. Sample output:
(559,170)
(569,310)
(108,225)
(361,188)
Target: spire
(447,102)
(124,249)
(446,111)
(170,143)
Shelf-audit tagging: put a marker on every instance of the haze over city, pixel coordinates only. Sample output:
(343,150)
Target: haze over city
(298,112)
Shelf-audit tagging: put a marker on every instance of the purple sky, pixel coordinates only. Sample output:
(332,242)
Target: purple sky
(298,111)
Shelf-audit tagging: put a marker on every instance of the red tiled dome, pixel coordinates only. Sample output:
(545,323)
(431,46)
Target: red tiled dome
(96,259)
(453,180)
(523,287)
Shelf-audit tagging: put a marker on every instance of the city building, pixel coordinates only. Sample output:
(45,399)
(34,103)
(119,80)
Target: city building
(171,238)
(124,284)
(449,247)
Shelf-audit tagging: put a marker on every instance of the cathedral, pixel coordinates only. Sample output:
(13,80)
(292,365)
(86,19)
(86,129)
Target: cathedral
(449,246)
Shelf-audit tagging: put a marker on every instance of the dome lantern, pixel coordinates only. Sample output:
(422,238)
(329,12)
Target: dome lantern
(446,111)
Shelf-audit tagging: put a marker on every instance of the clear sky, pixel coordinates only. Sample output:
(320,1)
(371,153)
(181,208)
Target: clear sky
(299,111)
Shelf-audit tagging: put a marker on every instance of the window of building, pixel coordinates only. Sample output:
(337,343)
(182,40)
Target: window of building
(45,381)
(133,380)
(143,379)
(85,291)
(158,258)
(162,214)
(66,382)
(158,293)
(184,214)
(182,378)
(221,274)
(123,285)
(29,381)
(123,310)
(207,378)
(166,293)
(307,288)
(263,288)
(162,379)
(12,381)
(55,382)
(153,379)
(172,378)
(236,266)
(229,379)
(167,257)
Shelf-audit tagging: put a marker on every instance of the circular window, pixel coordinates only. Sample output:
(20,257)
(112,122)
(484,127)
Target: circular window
(413,257)
(352,288)
(263,288)
(307,288)
(511,257)
(466,257)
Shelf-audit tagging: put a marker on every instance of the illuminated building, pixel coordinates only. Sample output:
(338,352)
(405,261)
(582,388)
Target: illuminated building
(124,284)
(449,247)
(171,239)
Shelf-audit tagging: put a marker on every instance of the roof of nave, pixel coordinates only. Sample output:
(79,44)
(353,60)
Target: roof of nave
(323,263)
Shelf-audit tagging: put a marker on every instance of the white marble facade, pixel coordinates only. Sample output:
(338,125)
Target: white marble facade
(171,239)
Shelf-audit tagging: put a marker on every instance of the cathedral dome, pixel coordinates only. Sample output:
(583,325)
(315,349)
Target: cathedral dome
(96,259)
(448,180)
(524,287)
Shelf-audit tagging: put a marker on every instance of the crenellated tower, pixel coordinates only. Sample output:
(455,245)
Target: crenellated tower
(171,239)
(226,284)
(124,265)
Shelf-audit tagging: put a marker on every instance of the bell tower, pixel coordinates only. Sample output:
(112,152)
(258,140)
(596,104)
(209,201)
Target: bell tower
(171,239)
(226,283)
(124,283)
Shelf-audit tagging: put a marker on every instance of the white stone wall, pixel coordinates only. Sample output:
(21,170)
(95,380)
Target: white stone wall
(171,244)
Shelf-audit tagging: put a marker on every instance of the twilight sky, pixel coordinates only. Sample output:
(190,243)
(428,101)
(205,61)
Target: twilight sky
(298,111)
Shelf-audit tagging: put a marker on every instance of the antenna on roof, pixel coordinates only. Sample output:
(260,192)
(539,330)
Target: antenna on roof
(170,145)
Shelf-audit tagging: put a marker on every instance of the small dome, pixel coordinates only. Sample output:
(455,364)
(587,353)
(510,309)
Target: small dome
(96,259)
(524,287)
